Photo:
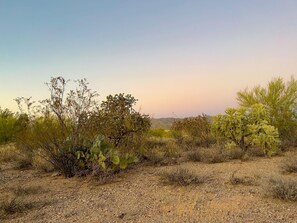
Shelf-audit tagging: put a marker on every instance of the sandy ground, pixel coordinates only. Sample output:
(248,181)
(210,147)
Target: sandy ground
(138,195)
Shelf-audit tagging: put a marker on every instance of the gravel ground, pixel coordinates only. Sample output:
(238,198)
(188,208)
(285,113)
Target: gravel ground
(138,195)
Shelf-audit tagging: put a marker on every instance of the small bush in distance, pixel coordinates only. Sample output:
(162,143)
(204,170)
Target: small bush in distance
(208,155)
(193,131)
(183,177)
(244,180)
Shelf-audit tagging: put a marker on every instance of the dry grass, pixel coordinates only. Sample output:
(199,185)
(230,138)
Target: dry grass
(23,163)
(290,164)
(8,153)
(42,165)
(183,177)
(14,205)
(242,180)
(208,155)
(22,191)
(282,188)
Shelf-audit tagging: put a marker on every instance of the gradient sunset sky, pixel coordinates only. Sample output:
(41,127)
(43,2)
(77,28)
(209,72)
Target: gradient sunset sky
(179,58)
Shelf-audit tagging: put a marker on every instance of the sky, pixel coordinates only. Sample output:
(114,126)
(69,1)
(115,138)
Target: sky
(177,57)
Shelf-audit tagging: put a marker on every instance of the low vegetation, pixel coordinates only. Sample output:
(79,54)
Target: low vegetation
(192,132)
(183,177)
(243,180)
(290,164)
(281,188)
(77,135)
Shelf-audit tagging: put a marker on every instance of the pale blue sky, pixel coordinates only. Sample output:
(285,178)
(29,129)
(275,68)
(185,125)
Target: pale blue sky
(182,57)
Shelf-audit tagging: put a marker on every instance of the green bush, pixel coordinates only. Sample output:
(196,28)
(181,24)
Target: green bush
(280,98)
(122,126)
(194,131)
(245,127)
(160,133)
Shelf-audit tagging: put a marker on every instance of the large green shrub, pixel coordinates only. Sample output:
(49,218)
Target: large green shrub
(280,98)
(246,127)
(8,123)
(118,121)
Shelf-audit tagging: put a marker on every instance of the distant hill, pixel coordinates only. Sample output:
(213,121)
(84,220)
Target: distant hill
(166,123)
(162,123)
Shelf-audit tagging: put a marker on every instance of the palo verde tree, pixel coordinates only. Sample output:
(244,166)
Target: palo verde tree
(246,127)
(280,98)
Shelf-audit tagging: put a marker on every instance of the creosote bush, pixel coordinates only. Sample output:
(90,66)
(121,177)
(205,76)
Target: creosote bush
(183,177)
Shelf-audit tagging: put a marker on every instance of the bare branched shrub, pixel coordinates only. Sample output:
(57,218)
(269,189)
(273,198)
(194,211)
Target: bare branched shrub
(183,177)
(282,188)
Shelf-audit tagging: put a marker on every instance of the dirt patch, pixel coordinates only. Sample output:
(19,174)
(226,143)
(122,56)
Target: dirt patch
(138,195)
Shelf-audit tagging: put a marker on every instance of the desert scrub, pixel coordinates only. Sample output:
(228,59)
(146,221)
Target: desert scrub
(243,180)
(183,177)
(290,164)
(14,205)
(8,153)
(22,191)
(281,188)
(208,155)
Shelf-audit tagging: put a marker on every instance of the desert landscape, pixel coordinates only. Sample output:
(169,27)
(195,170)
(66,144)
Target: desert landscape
(148,111)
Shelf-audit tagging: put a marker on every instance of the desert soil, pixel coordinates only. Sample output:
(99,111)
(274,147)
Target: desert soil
(138,195)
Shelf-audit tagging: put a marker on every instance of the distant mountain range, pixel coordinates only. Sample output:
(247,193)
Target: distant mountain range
(162,123)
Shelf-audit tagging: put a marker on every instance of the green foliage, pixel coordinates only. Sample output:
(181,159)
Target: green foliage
(194,131)
(160,133)
(7,126)
(122,126)
(280,99)
(104,155)
(247,127)
(77,135)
